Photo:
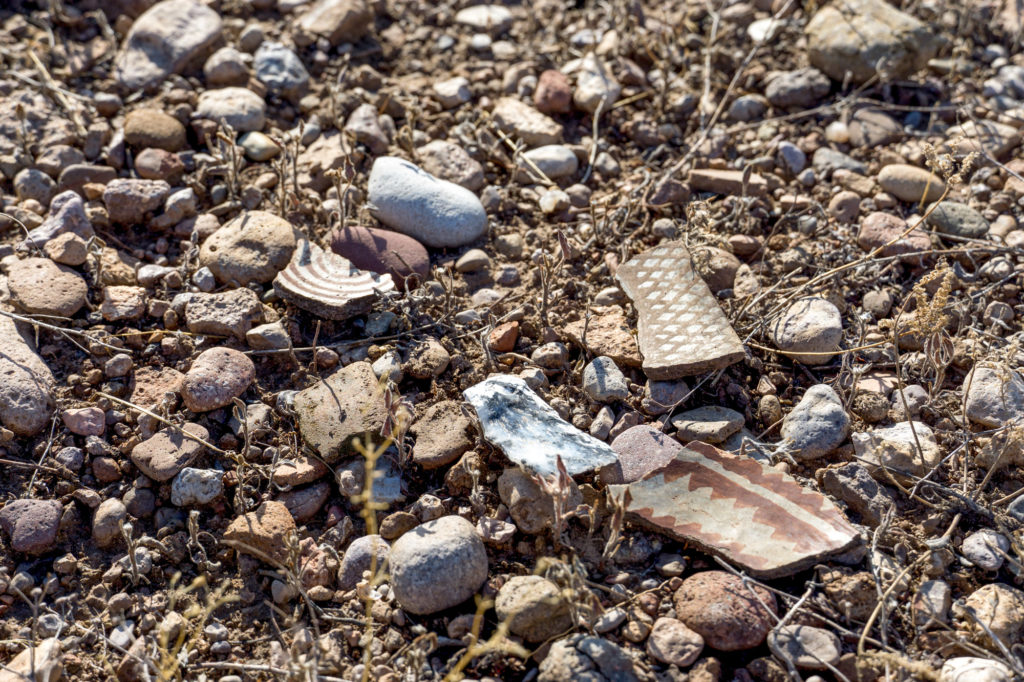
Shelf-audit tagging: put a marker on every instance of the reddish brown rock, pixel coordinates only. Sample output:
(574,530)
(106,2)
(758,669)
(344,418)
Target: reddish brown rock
(553,94)
(217,376)
(606,333)
(641,450)
(150,384)
(719,607)
(727,182)
(159,164)
(382,251)
(503,338)
(878,229)
(263,530)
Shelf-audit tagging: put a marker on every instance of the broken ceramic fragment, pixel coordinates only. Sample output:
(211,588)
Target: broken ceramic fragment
(328,285)
(741,510)
(681,328)
(531,433)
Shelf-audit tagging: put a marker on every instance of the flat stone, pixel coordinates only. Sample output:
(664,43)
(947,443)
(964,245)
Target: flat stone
(681,328)
(145,128)
(554,161)
(252,247)
(263,530)
(607,333)
(216,378)
(271,336)
(986,549)
(85,421)
(993,396)
(530,506)
(709,424)
(809,330)
(529,432)
(817,425)
(329,285)
(340,21)
(931,603)
(871,128)
(586,657)
(719,607)
(240,108)
(520,120)
(885,231)
(854,36)
(805,646)
(799,89)
(149,385)
(232,313)
(42,287)
(449,161)
(123,303)
(346,405)
(956,219)
(31,524)
(910,183)
(895,447)
(987,137)
(442,435)
(382,251)
(77,176)
(827,160)
(740,509)
(299,471)
(672,643)
(42,662)
(452,92)
(641,449)
(257,146)
(128,200)
(363,125)
(164,40)
(726,182)
(533,607)
(164,454)
(494,19)
(435,212)
(852,484)
(304,503)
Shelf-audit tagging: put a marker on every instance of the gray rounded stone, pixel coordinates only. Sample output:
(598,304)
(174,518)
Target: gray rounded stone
(196,486)
(603,381)
(533,607)
(436,212)
(437,565)
(817,425)
(359,557)
(280,70)
(240,108)
(809,330)
(958,220)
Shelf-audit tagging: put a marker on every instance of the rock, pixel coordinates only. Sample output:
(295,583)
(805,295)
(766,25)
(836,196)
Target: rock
(661,396)
(31,524)
(800,89)
(272,336)
(106,523)
(531,433)
(381,251)
(844,206)
(493,19)
(535,129)
(157,164)
(910,183)
(437,213)
(302,469)
(673,643)
(40,286)
(748,108)
(123,303)
(586,657)
(253,247)
(258,147)
(150,385)
(1000,607)
(726,182)
(196,487)
(503,338)
(216,377)
(986,137)
(227,66)
(263,530)
(41,662)
(853,37)
(708,424)
(144,128)
(554,201)
(852,483)
(805,646)
(553,94)
(364,125)
(30,183)
(555,161)
(870,128)
(232,313)
(604,382)
(596,87)
(827,160)
(346,405)
(607,333)
(164,40)
(529,505)
(366,553)
(641,450)
(85,421)
(129,200)
(304,503)
(972,669)
(986,549)
(931,603)
(993,396)
(166,453)
(533,607)
(792,158)
(340,21)
(437,565)
(240,108)
(958,220)
(473,260)
(452,92)
(896,448)
(719,607)
(682,329)
(67,215)
(442,435)
(280,70)
(884,230)
(809,331)
(817,425)
(428,359)
(449,161)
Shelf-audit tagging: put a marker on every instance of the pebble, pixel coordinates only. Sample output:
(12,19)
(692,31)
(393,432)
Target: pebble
(158,164)
(672,643)
(520,120)
(442,435)
(748,108)
(449,161)
(345,405)
(106,522)
(931,603)
(495,19)
(844,206)
(123,303)
(31,524)
(196,487)
(709,424)
(42,287)
(805,646)
(30,183)
(253,247)
(473,260)
(878,229)
(240,108)
(271,336)
(809,331)
(390,365)
(163,40)
(910,183)
(554,201)
(604,382)
(973,669)
(85,421)
(553,94)
(258,147)
(800,89)
(533,607)
(719,607)
(364,125)
(852,483)
(641,450)
(67,216)
(339,21)
(529,505)
(595,85)
(554,160)
(231,313)
(163,455)
(453,92)
(226,66)
(437,565)
(128,200)
(958,220)
(264,530)
(438,213)
(993,396)
(145,128)
(660,396)
(216,377)
(985,549)
(792,158)
(870,128)
(895,447)
(1000,607)
(366,553)
(428,359)
(817,425)
(280,70)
